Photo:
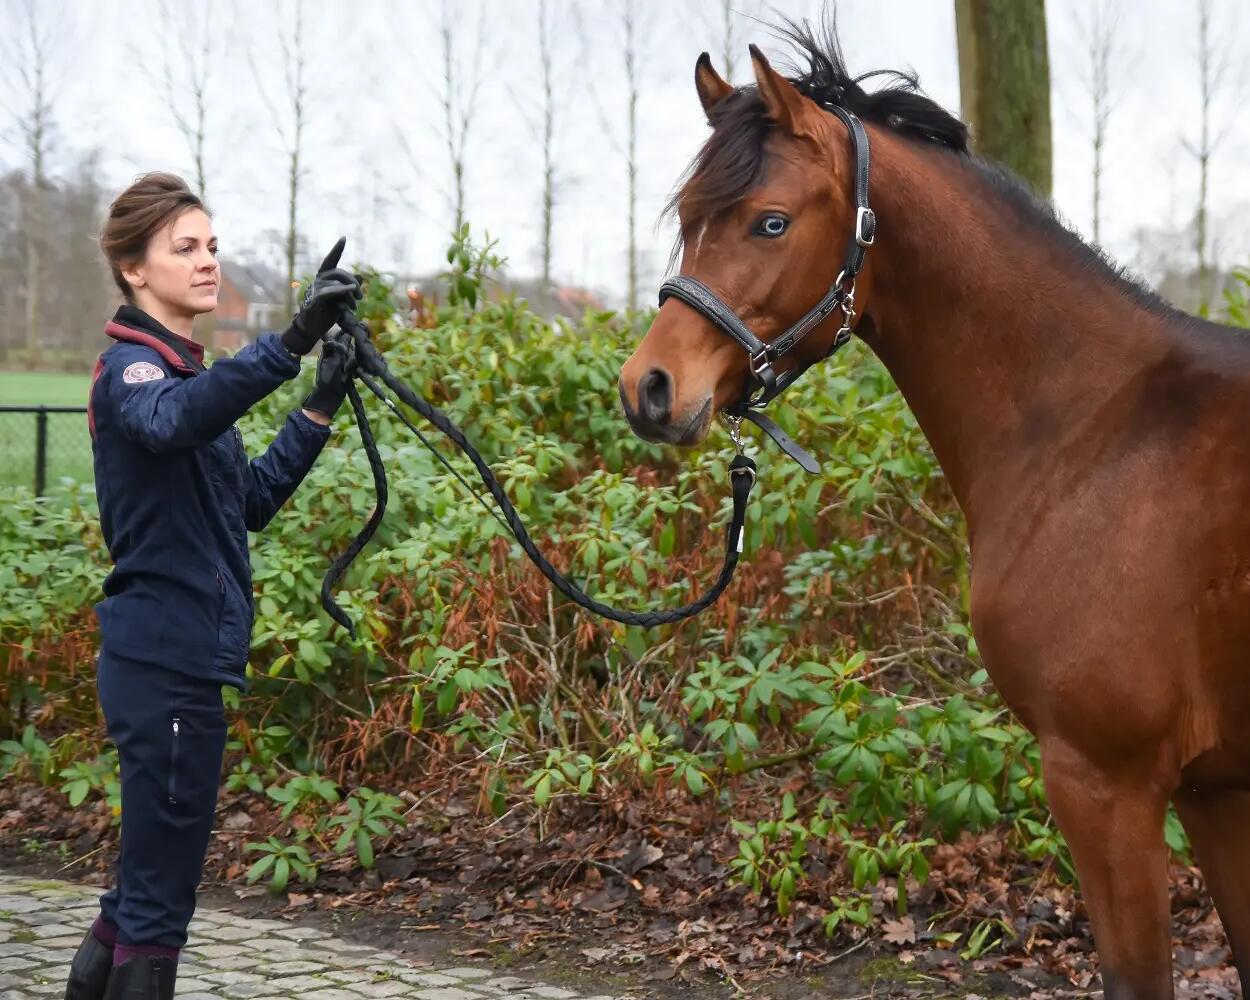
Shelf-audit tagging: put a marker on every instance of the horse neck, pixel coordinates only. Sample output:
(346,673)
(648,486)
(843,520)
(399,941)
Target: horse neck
(997,338)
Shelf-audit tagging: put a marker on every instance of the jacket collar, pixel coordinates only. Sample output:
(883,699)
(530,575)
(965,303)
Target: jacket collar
(133,325)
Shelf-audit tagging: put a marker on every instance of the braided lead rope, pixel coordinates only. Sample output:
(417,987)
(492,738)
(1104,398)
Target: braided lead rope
(369,362)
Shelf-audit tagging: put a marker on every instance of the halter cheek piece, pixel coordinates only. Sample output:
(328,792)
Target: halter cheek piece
(764,384)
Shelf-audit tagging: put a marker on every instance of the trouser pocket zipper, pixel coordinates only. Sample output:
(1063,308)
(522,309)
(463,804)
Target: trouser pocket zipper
(173,761)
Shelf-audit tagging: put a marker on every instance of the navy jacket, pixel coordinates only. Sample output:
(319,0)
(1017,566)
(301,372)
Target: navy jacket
(177,493)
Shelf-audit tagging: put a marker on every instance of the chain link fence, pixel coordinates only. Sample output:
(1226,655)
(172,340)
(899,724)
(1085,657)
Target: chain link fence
(40,444)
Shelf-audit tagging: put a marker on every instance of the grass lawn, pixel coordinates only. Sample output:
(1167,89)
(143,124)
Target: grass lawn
(43,388)
(69,443)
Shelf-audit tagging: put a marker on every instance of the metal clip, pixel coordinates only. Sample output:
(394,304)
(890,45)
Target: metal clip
(734,425)
(848,316)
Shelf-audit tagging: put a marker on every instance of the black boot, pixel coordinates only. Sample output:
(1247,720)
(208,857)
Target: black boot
(89,971)
(144,977)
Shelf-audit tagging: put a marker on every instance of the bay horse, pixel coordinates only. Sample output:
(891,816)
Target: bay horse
(1096,440)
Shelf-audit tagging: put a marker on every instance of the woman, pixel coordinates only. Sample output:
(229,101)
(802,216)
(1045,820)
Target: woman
(177,496)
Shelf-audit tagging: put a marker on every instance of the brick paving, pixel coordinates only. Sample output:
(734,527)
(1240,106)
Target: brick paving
(229,957)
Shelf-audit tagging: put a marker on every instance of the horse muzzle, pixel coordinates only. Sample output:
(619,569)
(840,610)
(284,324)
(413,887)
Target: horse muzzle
(653,420)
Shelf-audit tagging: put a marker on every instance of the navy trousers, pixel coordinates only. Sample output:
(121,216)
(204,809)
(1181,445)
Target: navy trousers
(170,732)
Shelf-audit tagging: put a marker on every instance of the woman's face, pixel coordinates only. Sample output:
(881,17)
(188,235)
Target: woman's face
(179,274)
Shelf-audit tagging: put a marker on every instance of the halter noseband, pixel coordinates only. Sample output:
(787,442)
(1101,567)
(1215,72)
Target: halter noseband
(765,384)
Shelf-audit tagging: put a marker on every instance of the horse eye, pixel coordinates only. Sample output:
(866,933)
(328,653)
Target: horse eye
(772,226)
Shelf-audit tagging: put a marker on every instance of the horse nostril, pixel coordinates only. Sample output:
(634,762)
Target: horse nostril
(655,396)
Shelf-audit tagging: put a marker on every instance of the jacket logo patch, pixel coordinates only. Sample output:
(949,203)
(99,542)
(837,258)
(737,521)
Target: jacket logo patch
(142,371)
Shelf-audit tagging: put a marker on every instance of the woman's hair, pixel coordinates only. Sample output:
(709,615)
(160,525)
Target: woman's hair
(151,202)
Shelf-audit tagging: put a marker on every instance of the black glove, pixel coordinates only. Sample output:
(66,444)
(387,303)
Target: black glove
(332,289)
(335,370)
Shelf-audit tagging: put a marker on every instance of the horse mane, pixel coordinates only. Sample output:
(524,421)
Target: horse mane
(732,161)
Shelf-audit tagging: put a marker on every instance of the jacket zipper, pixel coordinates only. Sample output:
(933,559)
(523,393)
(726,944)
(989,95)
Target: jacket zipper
(173,761)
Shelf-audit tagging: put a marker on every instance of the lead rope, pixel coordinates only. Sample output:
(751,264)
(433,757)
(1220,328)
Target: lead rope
(370,365)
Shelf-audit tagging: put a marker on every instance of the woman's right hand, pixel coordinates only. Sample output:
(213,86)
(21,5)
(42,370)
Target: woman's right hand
(331,290)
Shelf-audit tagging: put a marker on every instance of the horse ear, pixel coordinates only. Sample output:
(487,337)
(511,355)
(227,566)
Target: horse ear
(709,84)
(784,103)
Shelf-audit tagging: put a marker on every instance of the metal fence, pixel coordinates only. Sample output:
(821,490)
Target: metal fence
(40,444)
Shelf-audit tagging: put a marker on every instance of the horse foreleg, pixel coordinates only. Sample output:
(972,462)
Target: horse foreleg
(1113,822)
(1218,824)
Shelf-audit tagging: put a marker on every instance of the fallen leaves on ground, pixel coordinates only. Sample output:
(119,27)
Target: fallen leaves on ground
(631,886)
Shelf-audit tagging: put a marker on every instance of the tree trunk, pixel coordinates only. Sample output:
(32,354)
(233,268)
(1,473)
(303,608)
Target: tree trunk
(296,88)
(1004,80)
(291,230)
(549,167)
(34,272)
(631,153)
(1203,152)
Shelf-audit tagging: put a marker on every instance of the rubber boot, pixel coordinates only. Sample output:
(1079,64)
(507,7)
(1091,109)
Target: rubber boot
(89,971)
(144,977)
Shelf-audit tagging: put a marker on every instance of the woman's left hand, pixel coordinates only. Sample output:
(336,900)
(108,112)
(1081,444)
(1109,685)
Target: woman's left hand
(335,370)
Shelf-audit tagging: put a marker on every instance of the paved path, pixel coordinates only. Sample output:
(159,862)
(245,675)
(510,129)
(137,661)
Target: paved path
(234,958)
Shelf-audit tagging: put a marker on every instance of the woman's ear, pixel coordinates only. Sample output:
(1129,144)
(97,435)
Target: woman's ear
(133,273)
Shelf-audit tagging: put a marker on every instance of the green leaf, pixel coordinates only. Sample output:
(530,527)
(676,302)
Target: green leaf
(281,874)
(260,867)
(542,790)
(668,538)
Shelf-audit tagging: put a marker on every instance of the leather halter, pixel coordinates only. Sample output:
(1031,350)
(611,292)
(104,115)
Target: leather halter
(764,384)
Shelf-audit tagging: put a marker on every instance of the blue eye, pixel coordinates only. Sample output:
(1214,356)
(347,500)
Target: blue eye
(772,225)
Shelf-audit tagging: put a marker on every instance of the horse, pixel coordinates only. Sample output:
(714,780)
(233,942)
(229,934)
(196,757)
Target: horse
(1095,439)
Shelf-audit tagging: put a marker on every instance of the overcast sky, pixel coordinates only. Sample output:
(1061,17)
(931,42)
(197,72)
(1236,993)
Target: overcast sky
(377,164)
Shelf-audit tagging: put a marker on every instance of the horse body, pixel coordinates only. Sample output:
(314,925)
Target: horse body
(1097,441)
(1097,444)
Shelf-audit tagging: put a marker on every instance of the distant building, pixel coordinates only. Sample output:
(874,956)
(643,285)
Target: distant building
(249,303)
(548,301)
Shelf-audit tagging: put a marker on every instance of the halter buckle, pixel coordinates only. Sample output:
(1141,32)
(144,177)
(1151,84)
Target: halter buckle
(758,362)
(865,226)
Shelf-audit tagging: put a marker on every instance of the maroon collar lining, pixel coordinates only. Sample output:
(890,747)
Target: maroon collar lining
(119,332)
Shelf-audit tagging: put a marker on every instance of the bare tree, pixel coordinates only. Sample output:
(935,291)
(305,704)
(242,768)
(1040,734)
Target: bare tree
(632,30)
(545,116)
(1214,61)
(729,46)
(629,38)
(71,209)
(720,21)
(545,30)
(191,49)
(290,121)
(1100,33)
(33,57)
(461,84)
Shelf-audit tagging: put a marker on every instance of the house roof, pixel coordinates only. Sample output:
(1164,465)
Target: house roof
(255,282)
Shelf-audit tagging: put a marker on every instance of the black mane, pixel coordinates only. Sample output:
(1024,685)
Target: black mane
(732,160)
(900,105)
